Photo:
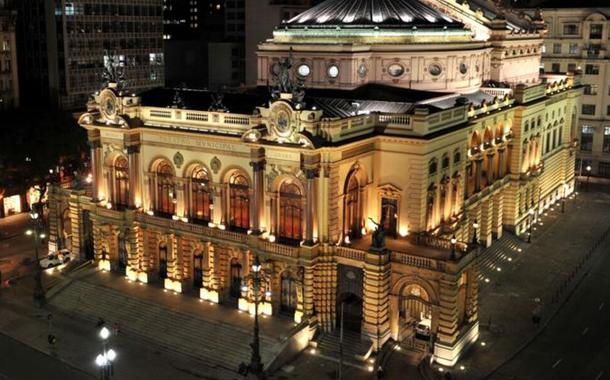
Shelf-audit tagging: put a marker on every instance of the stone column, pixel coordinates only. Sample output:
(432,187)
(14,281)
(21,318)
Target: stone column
(258,172)
(467,179)
(181,208)
(308,291)
(325,292)
(95,144)
(501,162)
(478,174)
(498,207)
(133,156)
(485,222)
(448,328)
(310,204)
(376,297)
(490,168)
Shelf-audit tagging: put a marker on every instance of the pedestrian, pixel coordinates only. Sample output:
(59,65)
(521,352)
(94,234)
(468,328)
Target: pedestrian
(116,328)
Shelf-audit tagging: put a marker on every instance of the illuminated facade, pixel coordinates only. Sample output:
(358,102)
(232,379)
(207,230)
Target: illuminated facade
(188,187)
(9,84)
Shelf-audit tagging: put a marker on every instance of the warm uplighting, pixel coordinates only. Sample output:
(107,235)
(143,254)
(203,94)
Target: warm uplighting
(29,232)
(108,205)
(404,231)
(363,231)
(346,240)
(271,238)
(175,217)
(312,351)
(211,225)
(150,212)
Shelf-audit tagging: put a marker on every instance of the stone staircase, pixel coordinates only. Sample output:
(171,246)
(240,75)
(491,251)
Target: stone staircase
(354,350)
(215,343)
(500,254)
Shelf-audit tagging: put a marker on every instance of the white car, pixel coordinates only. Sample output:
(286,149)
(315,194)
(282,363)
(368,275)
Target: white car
(56,258)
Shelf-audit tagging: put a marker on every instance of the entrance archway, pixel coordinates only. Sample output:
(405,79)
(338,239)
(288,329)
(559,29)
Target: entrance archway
(122,251)
(197,270)
(235,290)
(288,294)
(415,313)
(162,261)
(352,312)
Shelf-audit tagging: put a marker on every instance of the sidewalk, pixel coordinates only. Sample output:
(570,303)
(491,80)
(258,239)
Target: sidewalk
(531,283)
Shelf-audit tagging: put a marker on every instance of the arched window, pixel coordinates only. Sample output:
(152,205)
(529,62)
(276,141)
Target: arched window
(166,201)
(291,213)
(457,157)
(201,196)
(432,166)
(239,202)
(353,206)
(288,296)
(121,181)
(445,161)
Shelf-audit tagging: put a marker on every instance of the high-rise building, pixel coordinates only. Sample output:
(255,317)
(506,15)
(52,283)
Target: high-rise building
(579,40)
(64,44)
(9,83)
(389,145)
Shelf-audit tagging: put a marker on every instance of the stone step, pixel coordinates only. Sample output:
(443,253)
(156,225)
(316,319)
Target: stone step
(499,254)
(212,342)
(353,347)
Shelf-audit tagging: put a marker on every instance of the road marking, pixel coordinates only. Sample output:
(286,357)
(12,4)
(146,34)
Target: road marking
(601,306)
(599,376)
(585,331)
(557,363)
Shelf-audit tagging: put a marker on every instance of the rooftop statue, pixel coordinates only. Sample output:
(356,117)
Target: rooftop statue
(378,238)
(285,83)
(113,73)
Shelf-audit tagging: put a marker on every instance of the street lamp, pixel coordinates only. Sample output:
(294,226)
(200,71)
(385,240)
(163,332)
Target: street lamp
(106,359)
(563,199)
(531,221)
(453,242)
(588,175)
(255,368)
(39,294)
(475,226)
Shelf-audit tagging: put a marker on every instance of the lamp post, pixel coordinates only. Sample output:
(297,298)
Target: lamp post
(531,221)
(563,198)
(475,226)
(106,359)
(255,368)
(453,242)
(588,175)
(39,294)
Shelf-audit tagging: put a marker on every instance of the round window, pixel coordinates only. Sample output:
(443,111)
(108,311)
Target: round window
(463,68)
(333,71)
(362,70)
(396,70)
(435,69)
(304,70)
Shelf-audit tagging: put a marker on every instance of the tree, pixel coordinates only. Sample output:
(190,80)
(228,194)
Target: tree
(35,145)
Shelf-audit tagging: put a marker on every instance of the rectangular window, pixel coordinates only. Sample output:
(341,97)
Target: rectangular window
(571,67)
(596,31)
(606,145)
(592,69)
(588,109)
(586,138)
(556,48)
(590,89)
(556,68)
(570,29)
(604,169)
(573,48)
(608,110)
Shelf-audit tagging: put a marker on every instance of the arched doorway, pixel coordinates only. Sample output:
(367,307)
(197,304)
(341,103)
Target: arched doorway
(122,264)
(353,208)
(197,270)
(389,215)
(239,202)
(66,230)
(121,182)
(201,196)
(291,213)
(352,312)
(288,294)
(162,261)
(236,278)
(415,312)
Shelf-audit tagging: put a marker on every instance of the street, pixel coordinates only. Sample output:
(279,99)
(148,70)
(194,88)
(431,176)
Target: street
(21,362)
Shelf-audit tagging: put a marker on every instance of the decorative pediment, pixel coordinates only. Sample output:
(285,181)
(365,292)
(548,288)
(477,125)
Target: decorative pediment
(389,191)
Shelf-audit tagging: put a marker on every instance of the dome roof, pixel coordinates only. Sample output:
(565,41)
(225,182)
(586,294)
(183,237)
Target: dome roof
(391,13)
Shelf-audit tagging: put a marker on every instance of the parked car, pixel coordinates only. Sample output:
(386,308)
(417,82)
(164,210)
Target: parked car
(56,258)
(422,329)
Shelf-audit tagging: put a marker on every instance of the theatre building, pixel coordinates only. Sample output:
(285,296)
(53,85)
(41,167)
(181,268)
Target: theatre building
(427,122)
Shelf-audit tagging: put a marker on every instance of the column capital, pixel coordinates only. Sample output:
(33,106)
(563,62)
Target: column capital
(258,166)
